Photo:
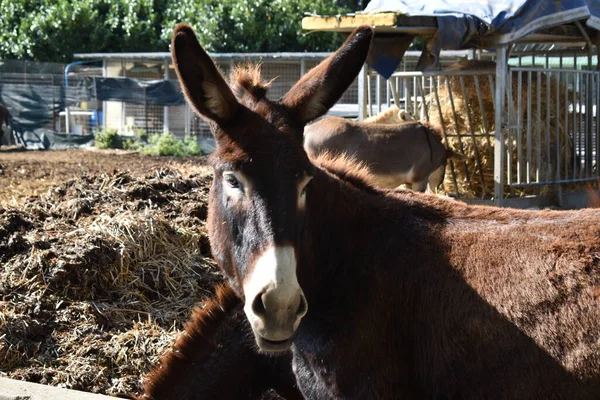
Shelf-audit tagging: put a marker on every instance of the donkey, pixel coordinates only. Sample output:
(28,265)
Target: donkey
(387,294)
(215,358)
(408,153)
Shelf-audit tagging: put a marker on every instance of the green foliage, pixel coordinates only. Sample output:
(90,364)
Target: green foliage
(253,26)
(166,144)
(107,139)
(52,30)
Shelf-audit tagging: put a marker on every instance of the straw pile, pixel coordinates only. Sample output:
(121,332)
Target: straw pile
(98,276)
(481,123)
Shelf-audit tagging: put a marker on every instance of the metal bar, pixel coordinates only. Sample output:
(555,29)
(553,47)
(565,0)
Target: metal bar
(53,109)
(96,102)
(519,127)
(445,135)
(362,93)
(369,95)
(554,182)
(378,92)
(166,108)
(597,75)
(421,93)
(512,126)
(414,97)
(589,121)
(104,75)
(538,128)
(528,150)
(548,133)
(188,120)
(499,151)
(576,137)
(123,108)
(387,93)
(484,121)
(395,91)
(459,136)
(475,146)
(578,94)
(557,136)
(414,74)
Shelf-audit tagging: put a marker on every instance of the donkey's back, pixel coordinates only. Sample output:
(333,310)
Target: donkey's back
(509,299)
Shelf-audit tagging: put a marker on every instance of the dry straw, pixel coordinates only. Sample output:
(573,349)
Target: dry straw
(99,275)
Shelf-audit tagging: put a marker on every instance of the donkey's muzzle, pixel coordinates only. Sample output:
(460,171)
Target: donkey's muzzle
(276,316)
(275,303)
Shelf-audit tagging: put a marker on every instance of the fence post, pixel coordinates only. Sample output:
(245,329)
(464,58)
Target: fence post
(104,104)
(499,151)
(166,108)
(362,93)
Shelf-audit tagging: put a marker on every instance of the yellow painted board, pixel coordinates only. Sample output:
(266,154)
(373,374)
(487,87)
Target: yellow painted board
(313,23)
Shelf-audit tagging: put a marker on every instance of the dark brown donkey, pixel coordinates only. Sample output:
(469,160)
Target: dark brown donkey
(387,294)
(215,358)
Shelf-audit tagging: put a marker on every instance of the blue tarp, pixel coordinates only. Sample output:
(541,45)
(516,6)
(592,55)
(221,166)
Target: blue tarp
(34,106)
(460,21)
(127,90)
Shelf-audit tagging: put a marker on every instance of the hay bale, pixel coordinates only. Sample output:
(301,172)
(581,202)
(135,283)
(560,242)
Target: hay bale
(472,134)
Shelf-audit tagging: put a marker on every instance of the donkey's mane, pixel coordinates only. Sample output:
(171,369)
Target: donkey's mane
(347,169)
(204,322)
(246,79)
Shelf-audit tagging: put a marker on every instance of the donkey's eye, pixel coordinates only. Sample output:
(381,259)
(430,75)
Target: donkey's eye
(305,186)
(232,181)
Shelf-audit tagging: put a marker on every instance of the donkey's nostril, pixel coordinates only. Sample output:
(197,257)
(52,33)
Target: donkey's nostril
(258,307)
(303,307)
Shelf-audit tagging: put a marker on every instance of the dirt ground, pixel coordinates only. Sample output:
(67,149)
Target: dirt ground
(102,256)
(27,173)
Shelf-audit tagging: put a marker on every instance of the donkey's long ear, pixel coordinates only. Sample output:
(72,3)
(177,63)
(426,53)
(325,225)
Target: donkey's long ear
(201,81)
(323,86)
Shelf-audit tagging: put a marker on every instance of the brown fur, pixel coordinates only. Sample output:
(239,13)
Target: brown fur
(246,80)
(214,348)
(409,295)
(347,169)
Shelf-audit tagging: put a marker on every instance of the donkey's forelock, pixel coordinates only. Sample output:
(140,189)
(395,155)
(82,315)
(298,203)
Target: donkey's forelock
(246,80)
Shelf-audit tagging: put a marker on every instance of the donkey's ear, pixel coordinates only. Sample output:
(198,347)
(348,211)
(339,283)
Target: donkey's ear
(201,81)
(323,86)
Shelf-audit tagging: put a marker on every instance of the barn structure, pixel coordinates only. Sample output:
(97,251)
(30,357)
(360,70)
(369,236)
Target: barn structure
(528,121)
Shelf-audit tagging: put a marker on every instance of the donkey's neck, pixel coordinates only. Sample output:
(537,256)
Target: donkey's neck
(353,235)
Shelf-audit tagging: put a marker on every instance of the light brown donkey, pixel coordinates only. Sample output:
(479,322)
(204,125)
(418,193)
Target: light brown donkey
(407,153)
(385,294)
